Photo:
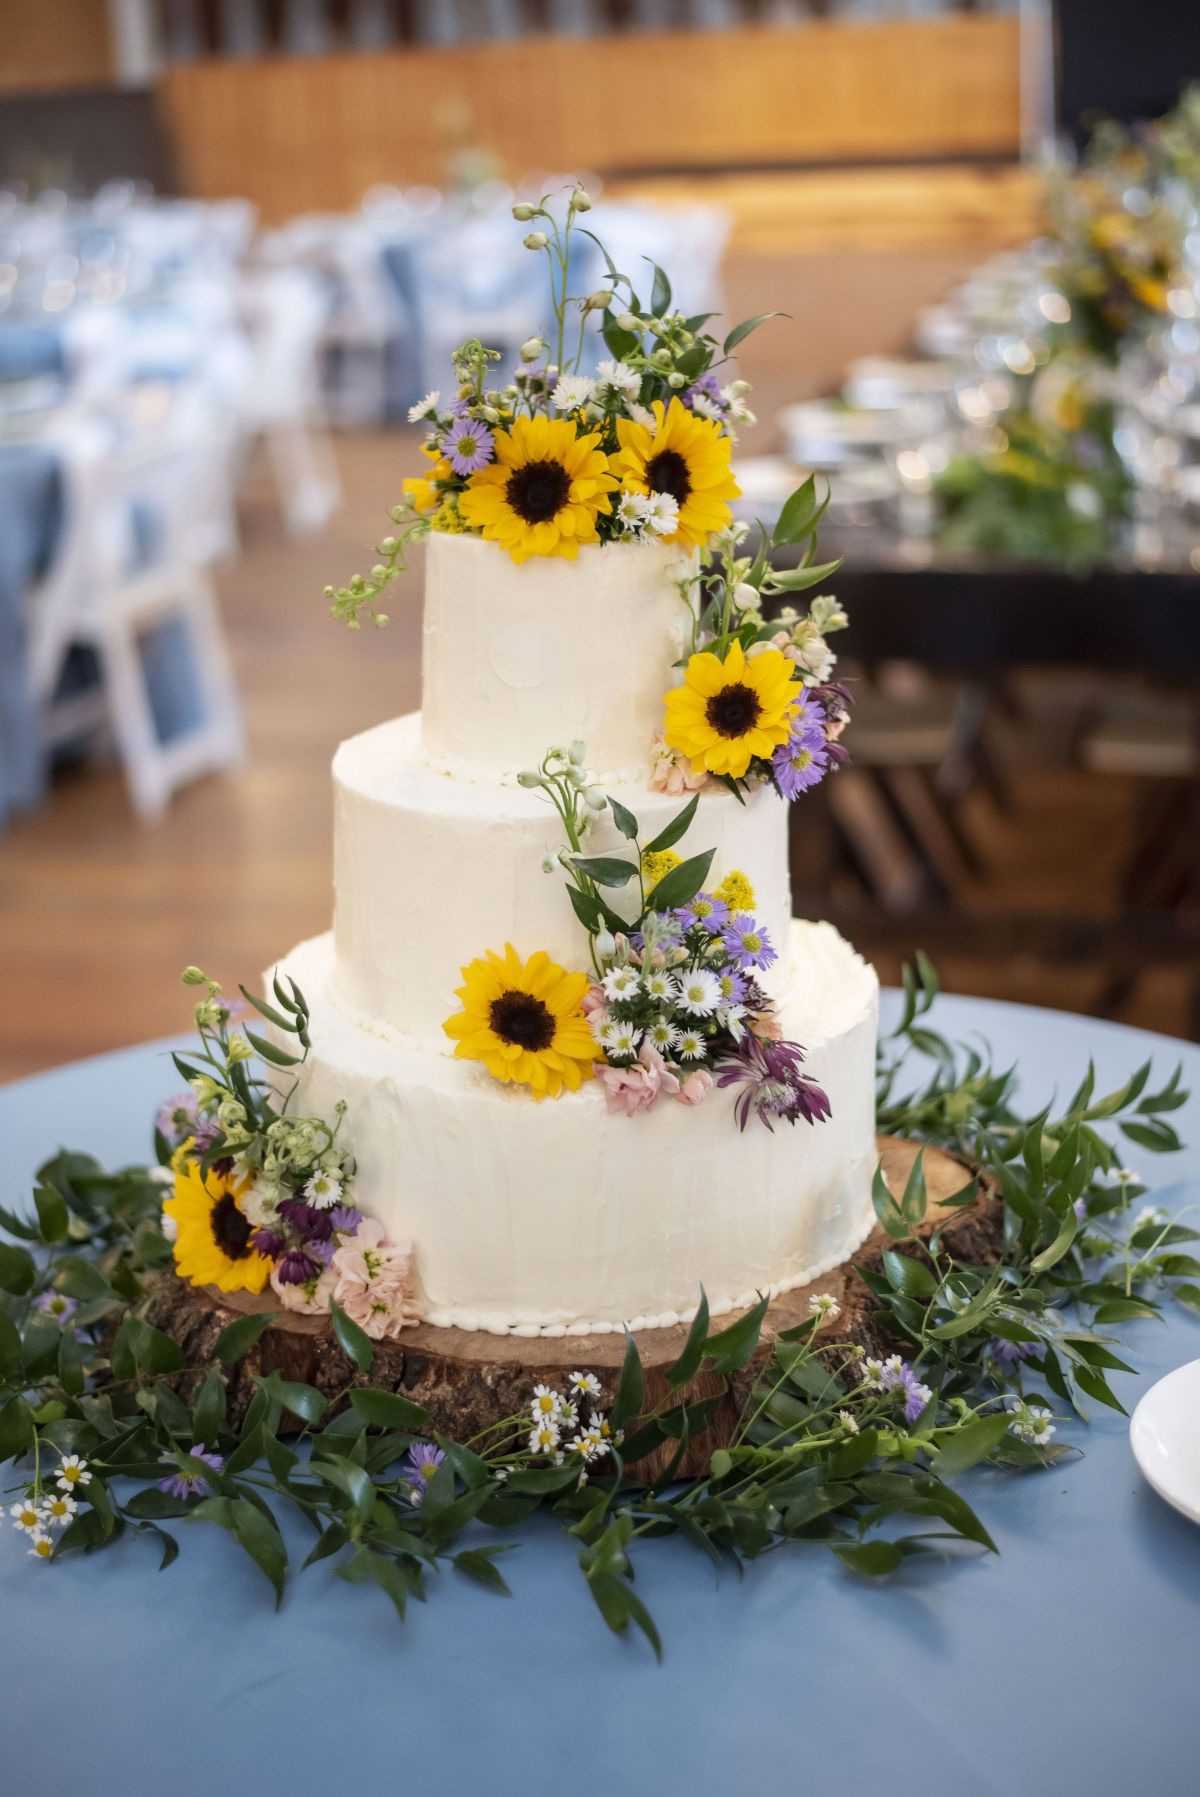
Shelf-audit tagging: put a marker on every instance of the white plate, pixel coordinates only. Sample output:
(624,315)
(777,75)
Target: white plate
(1164,1433)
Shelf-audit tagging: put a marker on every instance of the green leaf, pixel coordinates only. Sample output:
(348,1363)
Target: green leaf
(16,1429)
(688,1364)
(389,1410)
(1158,1137)
(16,1270)
(349,1479)
(208,1417)
(886,1208)
(304,1401)
(1096,1386)
(623,818)
(1067,1231)
(911,1277)
(605,870)
(353,1340)
(78,1278)
(278,1057)
(660,293)
(70,1364)
(255,1531)
(627,1404)
(915,1198)
(874,1558)
(10,1345)
(682,883)
(476,1562)
(152,1351)
(972,1443)
(740,332)
(587,908)
(734,1347)
(236,1339)
(794,519)
(798,580)
(670,834)
(53,1220)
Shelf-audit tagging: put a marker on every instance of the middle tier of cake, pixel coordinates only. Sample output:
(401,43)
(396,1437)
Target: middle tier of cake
(430,872)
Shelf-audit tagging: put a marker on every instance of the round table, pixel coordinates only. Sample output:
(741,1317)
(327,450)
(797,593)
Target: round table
(1065,1666)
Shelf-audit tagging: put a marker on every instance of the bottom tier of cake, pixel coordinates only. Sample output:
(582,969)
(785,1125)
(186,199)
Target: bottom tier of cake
(562,1218)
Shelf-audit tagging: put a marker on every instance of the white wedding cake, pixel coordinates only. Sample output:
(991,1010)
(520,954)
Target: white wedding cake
(568,1217)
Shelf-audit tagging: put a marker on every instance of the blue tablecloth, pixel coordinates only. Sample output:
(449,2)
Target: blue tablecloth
(1065,1667)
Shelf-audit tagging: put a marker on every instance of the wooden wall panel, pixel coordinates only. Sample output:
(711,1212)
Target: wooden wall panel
(47,44)
(313,133)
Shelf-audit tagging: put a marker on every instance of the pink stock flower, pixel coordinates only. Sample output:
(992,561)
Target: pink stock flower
(595,1004)
(672,773)
(374,1281)
(695,1088)
(767,1027)
(637,1088)
(310,1298)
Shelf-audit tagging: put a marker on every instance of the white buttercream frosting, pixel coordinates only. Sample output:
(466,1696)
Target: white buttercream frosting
(559,1218)
(430,872)
(517,656)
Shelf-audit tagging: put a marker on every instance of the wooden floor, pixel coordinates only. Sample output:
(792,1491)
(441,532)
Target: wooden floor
(98,916)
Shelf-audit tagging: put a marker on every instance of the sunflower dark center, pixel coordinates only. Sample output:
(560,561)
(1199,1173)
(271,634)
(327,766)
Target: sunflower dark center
(538,490)
(667,472)
(231,1230)
(521,1018)
(734,710)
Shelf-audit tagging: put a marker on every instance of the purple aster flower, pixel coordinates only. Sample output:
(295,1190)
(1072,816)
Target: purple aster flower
(296,1266)
(269,1242)
(310,1224)
(1011,1354)
(423,1462)
(176,1117)
(322,1251)
(804,758)
(897,1375)
(709,387)
(734,987)
(470,444)
(58,1306)
(704,913)
(344,1219)
(1080,1209)
(748,942)
(184,1483)
(773,1084)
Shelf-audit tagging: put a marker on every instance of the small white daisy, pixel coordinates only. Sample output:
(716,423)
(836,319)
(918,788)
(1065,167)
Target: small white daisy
(58,1509)
(848,1422)
(572,391)
(691,1045)
(730,1018)
(598,1426)
(620,1040)
(631,513)
(642,415)
(660,986)
(825,1306)
(621,982)
(42,1547)
(1127,1176)
(872,1374)
(27,1516)
(545,1402)
(699,991)
(620,377)
(543,1438)
(663,515)
(423,407)
(72,1471)
(323,1190)
(1150,1214)
(567,1414)
(663,1036)
(586,1384)
(598,1022)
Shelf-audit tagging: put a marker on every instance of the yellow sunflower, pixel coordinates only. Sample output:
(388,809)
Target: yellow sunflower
(728,711)
(421,494)
(212,1244)
(543,493)
(524,1020)
(685,456)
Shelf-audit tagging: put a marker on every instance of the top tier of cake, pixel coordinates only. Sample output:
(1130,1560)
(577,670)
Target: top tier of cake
(518,657)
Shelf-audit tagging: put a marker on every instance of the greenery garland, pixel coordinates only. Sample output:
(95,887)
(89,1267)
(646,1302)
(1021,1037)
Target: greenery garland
(832,1449)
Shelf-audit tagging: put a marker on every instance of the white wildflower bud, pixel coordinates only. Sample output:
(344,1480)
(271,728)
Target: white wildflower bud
(677,380)
(577,753)
(530,780)
(576,776)
(388,546)
(240,1049)
(595,800)
(739,388)
(629,321)
(598,301)
(192,976)
(535,240)
(531,349)
(381,620)
(661,358)
(746,597)
(523,212)
(550,862)
(490,413)
(606,944)
(581,200)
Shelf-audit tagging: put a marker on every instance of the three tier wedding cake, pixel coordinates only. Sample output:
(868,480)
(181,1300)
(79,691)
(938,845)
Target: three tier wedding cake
(564,1044)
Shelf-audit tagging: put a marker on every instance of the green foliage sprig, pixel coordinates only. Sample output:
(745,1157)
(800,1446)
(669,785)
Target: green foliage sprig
(834,1452)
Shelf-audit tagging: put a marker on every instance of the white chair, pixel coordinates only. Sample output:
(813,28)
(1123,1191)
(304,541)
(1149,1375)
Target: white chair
(116,593)
(284,311)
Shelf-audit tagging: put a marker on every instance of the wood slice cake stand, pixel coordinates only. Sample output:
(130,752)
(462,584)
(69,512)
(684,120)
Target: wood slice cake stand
(468,1381)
